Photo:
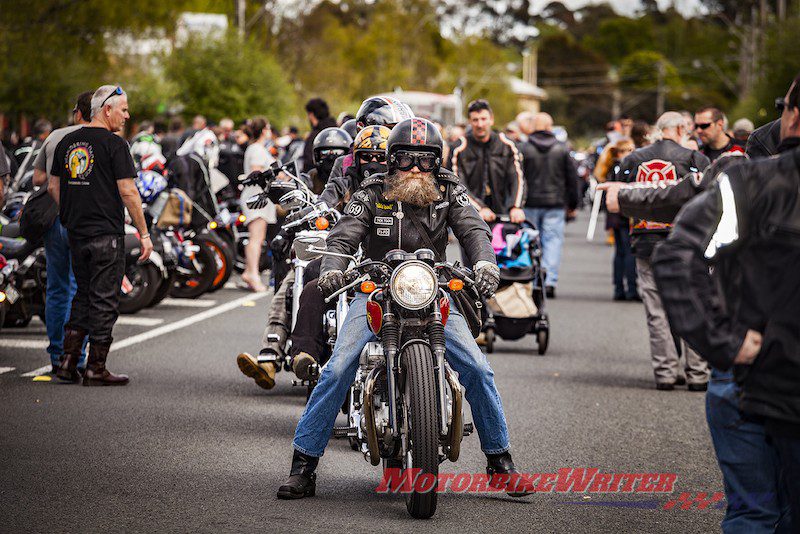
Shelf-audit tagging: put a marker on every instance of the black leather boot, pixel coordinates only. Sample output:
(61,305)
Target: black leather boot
(302,480)
(73,344)
(507,475)
(96,372)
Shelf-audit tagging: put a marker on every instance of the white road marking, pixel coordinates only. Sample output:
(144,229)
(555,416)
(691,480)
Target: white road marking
(6,369)
(139,321)
(24,343)
(167,328)
(188,303)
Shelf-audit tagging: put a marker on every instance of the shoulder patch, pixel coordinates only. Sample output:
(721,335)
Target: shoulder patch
(361,196)
(354,208)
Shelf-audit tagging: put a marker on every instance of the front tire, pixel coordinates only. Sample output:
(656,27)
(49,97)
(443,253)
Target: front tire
(423,426)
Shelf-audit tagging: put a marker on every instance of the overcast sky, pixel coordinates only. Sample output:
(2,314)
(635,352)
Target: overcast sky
(627,7)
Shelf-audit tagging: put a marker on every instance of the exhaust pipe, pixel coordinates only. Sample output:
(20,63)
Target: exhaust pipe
(456,432)
(369,416)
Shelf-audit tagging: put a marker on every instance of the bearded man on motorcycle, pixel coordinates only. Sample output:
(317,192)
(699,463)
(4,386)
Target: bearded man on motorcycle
(412,205)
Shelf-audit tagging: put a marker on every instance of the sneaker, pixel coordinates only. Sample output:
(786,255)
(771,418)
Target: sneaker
(550,291)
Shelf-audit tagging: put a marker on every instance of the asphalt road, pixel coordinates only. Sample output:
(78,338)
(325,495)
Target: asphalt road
(191,445)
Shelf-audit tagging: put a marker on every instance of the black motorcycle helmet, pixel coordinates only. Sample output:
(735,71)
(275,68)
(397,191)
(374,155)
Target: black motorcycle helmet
(331,143)
(350,127)
(382,111)
(408,139)
(371,144)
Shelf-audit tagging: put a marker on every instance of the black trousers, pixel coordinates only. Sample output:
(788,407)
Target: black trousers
(309,335)
(99,265)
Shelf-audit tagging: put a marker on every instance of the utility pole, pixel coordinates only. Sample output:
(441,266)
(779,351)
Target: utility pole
(781,10)
(616,94)
(240,16)
(661,90)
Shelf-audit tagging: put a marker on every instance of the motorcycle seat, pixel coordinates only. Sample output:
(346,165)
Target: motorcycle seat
(15,249)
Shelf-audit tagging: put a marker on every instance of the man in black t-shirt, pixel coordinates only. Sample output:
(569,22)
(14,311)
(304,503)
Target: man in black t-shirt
(91,179)
(711,126)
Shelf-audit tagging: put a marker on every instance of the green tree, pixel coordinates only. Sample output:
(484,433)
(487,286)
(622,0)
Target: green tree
(229,77)
(617,38)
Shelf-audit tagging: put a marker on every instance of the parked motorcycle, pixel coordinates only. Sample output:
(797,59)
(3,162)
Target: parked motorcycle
(24,281)
(406,402)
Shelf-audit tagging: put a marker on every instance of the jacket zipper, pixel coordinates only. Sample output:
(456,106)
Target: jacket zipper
(400,217)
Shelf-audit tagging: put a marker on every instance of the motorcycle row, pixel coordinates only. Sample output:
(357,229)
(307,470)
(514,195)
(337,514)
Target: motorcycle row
(195,250)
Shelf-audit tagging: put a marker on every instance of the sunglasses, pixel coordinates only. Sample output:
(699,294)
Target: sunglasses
(702,126)
(368,157)
(780,105)
(115,92)
(424,161)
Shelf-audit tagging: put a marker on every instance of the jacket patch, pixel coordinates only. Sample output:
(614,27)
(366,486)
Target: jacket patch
(441,205)
(384,206)
(384,232)
(462,199)
(355,209)
(384,221)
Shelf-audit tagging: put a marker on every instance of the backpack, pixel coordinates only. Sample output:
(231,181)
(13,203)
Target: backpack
(38,215)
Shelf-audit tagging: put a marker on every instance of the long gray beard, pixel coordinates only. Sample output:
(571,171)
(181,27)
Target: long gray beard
(418,188)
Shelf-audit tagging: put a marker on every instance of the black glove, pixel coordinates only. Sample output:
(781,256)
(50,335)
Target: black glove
(331,282)
(282,245)
(256,202)
(298,214)
(258,178)
(487,278)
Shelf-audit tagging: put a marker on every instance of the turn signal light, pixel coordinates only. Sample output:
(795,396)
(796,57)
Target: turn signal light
(242,218)
(2,296)
(444,309)
(212,225)
(455,284)
(322,224)
(367,287)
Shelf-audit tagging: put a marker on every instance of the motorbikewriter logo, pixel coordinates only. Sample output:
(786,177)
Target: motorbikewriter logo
(565,480)
(80,159)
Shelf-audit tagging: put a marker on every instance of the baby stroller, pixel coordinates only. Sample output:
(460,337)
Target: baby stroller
(518,306)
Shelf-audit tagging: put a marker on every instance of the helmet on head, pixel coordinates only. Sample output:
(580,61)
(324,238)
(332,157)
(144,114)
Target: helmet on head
(331,143)
(370,144)
(351,128)
(203,143)
(153,162)
(144,145)
(150,184)
(382,111)
(412,136)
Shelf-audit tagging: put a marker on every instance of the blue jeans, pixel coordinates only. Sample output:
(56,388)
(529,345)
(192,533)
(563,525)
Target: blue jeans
(463,355)
(61,288)
(624,264)
(550,222)
(750,465)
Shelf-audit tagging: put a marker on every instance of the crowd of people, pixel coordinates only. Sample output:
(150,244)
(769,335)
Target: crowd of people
(682,195)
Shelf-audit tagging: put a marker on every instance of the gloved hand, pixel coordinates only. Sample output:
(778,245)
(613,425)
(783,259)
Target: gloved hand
(256,202)
(330,282)
(487,278)
(298,214)
(282,245)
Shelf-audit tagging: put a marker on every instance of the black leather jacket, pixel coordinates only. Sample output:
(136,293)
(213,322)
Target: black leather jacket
(550,173)
(764,141)
(665,162)
(748,226)
(650,201)
(491,172)
(380,225)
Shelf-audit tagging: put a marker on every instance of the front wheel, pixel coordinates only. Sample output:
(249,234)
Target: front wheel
(143,281)
(423,429)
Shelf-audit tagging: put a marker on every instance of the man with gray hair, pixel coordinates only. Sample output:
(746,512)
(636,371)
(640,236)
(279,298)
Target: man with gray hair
(666,161)
(92,180)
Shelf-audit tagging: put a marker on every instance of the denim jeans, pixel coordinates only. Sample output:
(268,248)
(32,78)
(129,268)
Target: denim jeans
(463,355)
(550,222)
(61,288)
(749,463)
(624,264)
(788,448)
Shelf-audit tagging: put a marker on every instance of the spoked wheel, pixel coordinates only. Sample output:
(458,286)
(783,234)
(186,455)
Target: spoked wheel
(195,276)
(223,261)
(143,281)
(422,451)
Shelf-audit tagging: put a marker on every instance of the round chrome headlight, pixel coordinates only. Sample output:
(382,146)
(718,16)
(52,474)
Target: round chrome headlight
(414,285)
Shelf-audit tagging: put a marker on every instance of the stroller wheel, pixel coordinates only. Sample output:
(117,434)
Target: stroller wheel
(542,339)
(489,340)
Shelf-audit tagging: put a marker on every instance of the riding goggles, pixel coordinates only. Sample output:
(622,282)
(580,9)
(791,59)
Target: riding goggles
(424,161)
(331,153)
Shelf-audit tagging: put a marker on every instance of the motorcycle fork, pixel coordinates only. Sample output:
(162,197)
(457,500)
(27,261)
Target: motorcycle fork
(299,270)
(435,331)
(390,335)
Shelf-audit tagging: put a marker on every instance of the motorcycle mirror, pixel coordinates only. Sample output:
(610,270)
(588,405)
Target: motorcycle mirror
(292,199)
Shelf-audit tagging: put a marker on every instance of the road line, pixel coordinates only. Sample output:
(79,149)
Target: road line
(6,369)
(24,343)
(139,321)
(188,303)
(167,328)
